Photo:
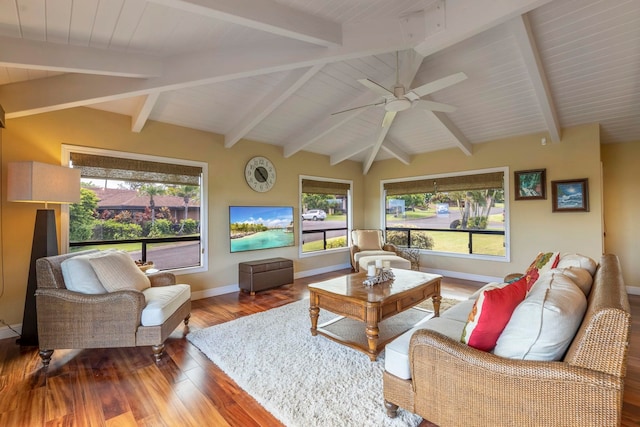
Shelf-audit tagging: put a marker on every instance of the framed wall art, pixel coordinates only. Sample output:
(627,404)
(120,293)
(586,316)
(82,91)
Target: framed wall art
(571,195)
(531,184)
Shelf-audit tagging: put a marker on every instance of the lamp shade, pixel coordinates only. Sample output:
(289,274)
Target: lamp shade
(42,183)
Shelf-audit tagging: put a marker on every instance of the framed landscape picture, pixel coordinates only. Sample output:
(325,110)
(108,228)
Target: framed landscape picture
(531,184)
(570,195)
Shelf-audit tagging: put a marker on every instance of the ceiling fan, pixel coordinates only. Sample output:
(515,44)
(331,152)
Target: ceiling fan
(398,99)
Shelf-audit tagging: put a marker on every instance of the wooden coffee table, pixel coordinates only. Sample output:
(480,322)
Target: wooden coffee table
(348,297)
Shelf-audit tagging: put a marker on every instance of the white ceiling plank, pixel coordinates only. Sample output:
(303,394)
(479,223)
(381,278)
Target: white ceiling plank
(266,16)
(389,116)
(521,29)
(203,68)
(270,102)
(465,19)
(460,140)
(21,53)
(349,151)
(396,151)
(144,111)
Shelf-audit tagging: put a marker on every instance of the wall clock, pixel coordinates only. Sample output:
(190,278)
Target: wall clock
(260,174)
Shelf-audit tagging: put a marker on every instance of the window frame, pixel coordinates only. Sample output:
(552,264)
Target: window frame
(507,227)
(66,151)
(302,254)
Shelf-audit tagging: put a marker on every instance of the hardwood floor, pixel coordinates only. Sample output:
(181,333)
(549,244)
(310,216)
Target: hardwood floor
(124,387)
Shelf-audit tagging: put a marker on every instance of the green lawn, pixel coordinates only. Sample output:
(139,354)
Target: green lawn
(483,244)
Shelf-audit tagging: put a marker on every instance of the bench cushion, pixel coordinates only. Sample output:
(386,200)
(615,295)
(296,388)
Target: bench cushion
(162,302)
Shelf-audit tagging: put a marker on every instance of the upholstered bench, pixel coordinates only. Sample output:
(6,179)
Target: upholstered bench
(394,260)
(263,274)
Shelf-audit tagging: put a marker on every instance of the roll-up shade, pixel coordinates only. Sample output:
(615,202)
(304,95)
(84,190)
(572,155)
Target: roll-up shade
(481,181)
(104,167)
(324,187)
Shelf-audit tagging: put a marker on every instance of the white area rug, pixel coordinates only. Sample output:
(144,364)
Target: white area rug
(302,380)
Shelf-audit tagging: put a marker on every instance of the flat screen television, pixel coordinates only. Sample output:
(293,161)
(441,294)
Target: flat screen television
(260,227)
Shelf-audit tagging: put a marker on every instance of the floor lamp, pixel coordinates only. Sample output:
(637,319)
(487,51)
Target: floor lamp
(40,183)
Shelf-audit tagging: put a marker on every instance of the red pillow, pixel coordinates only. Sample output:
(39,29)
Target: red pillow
(491,313)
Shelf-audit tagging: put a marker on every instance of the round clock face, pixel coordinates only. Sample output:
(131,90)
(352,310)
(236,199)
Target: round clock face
(260,174)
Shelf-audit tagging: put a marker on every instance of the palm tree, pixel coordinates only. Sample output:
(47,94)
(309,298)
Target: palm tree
(152,190)
(187,192)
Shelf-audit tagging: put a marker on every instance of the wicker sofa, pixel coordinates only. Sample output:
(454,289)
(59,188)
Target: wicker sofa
(74,320)
(452,384)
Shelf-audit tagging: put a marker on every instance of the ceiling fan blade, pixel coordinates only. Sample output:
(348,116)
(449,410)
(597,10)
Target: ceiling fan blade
(423,104)
(357,108)
(377,88)
(389,116)
(435,86)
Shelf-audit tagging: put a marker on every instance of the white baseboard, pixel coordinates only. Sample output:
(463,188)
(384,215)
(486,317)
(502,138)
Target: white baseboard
(322,270)
(5,332)
(633,290)
(215,292)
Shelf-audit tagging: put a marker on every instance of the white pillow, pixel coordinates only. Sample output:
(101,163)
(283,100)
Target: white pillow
(543,326)
(577,260)
(579,276)
(79,276)
(117,271)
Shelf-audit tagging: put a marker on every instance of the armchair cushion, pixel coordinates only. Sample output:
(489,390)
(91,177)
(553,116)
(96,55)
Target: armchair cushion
(369,240)
(117,271)
(79,276)
(162,302)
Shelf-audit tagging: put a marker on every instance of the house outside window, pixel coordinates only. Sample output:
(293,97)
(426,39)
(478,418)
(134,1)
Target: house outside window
(148,206)
(461,214)
(325,214)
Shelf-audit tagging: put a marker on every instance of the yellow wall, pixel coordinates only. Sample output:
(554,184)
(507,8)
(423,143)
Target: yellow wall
(534,227)
(40,137)
(621,174)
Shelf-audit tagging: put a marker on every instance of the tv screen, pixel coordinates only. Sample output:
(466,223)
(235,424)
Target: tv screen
(260,227)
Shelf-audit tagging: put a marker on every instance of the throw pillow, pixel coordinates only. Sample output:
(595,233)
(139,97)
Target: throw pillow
(543,262)
(117,271)
(543,326)
(577,260)
(79,276)
(491,313)
(579,276)
(369,240)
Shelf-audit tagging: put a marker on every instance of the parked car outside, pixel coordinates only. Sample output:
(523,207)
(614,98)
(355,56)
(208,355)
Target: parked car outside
(314,214)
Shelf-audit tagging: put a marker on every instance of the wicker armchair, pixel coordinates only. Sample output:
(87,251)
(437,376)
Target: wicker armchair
(452,384)
(73,320)
(369,243)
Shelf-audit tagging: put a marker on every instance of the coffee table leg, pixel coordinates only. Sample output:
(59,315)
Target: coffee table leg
(372,332)
(314,312)
(436,305)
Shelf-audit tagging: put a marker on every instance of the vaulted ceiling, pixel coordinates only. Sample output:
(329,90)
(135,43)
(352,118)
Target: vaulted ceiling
(276,71)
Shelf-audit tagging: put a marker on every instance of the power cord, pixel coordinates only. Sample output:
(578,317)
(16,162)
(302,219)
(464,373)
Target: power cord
(9,326)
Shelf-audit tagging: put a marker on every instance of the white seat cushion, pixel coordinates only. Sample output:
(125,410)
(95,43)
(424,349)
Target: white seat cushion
(358,255)
(162,302)
(451,324)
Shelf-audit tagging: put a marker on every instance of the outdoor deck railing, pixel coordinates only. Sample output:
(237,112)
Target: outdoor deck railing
(470,233)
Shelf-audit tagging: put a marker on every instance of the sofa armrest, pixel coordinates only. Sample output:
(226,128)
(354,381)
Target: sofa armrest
(162,278)
(492,390)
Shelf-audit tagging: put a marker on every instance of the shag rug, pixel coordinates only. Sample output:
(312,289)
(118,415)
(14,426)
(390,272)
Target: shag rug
(301,379)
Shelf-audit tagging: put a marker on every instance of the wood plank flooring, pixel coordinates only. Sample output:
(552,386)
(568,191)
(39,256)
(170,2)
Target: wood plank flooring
(124,387)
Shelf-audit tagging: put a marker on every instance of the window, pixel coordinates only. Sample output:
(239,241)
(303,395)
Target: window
(151,207)
(461,214)
(325,212)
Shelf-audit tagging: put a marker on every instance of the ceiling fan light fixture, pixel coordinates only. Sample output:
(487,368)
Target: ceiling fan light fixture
(398,105)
